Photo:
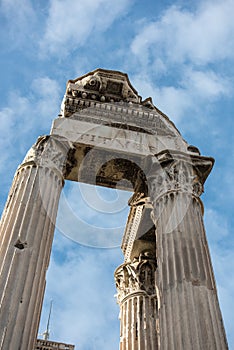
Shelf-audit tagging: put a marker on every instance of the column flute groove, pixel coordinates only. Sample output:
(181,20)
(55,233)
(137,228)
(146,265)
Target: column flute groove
(135,283)
(27,229)
(5,230)
(189,313)
(44,250)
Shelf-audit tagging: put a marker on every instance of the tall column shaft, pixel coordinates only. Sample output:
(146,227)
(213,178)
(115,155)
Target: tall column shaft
(26,232)
(189,313)
(135,282)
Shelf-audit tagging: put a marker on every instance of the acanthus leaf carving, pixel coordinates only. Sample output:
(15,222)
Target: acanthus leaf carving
(137,276)
(54,152)
(178,172)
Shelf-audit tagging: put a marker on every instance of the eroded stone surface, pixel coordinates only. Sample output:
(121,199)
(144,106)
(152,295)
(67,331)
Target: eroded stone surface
(106,135)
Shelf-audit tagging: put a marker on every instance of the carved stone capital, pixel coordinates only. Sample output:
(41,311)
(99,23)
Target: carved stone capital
(172,171)
(136,277)
(54,152)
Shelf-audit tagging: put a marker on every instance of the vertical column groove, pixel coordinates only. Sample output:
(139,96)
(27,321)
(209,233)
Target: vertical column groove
(27,229)
(189,313)
(135,282)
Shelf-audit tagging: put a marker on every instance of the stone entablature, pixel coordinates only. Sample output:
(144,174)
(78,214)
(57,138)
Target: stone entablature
(103,85)
(125,115)
(52,345)
(104,97)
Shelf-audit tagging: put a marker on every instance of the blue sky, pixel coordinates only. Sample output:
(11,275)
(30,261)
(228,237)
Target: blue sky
(179,52)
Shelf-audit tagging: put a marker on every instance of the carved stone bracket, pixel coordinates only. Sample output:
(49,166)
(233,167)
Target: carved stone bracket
(136,277)
(172,171)
(54,152)
(140,195)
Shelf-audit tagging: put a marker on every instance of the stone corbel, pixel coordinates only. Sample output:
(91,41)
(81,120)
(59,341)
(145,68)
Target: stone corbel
(140,196)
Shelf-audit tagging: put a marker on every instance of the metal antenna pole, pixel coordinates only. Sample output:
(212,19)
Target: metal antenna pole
(46,334)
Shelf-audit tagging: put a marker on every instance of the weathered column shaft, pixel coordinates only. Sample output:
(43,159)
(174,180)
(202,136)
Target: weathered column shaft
(189,313)
(27,229)
(136,296)
(138,323)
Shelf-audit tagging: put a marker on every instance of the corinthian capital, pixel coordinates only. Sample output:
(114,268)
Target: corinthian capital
(171,171)
(136,277)
(54,152)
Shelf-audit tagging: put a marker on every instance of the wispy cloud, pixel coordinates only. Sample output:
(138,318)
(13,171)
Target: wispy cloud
(20,20)
(70,23)
(199,37)
(20,117)
(185,45)
(24,113)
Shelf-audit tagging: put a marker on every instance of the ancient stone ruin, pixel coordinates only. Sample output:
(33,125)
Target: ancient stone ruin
(107,135)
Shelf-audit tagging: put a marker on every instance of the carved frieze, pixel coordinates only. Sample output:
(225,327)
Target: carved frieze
(104,85)
(123,115)
(104,97)
(136,277)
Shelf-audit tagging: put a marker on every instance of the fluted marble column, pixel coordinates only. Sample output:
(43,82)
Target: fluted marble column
(26,235)
(135,283)
(189,313)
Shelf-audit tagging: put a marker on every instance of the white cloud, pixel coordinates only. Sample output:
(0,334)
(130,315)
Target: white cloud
(21,18)
(185,45)
(13,118)
(32,111)
(70,23)
(174,101)
(206,84)
(46,93)
(20,118)
(181,36)
(194,89)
